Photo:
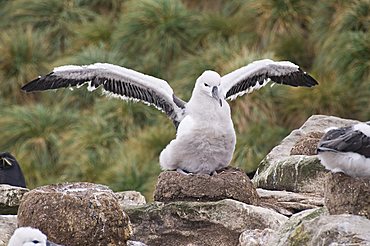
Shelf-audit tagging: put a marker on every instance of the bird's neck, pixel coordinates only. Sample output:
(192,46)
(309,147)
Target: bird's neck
(206,108)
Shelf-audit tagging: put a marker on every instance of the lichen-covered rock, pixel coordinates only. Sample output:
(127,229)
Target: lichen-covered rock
(130,198)
(10,197)
(228,184)
(76,214)
(286,234)
(296,173)
(280,170)
(307,144)
(289,203)
(199,223)
(345,194)
(8,224)
(256,237)
(316,228)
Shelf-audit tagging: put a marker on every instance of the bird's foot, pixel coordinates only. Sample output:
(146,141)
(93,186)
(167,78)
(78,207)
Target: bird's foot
(214,173)
(179,170)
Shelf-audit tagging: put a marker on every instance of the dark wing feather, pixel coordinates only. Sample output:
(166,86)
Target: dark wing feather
(180,103)
(116,81)
(345,140)
(259,73)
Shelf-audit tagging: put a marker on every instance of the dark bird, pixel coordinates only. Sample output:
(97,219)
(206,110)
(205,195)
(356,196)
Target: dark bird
(10,171)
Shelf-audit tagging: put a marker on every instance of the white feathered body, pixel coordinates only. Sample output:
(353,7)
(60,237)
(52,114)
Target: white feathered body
(206,138)
(350,163)
(346,160)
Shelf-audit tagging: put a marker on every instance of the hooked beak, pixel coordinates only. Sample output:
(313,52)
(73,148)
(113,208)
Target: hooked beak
(216,95)
(6,161)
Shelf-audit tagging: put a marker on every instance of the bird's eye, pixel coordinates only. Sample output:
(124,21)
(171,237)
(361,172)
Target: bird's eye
(206,84)
(35,241)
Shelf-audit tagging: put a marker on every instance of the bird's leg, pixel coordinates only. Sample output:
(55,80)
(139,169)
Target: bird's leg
(214,173)
(179,170)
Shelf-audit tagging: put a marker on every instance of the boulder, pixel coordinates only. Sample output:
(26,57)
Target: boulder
(291,166)
(135,243)
(130,198)
(228,184)
(256,237)
(345,194)
(284,235)
(76,214)
(289,203)
(307,144)
(8,224)
(315,227)
(10,197)
(199,223)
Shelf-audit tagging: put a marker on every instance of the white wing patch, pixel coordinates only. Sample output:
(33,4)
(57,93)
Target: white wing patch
(362,127)
(67,68)
(125,98)
(250,89)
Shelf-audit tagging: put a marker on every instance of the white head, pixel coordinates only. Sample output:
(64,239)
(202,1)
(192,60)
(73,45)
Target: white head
(28,236)
(362,127)
(208,83)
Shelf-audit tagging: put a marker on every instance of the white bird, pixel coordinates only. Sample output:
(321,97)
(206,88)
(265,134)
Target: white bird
(205,139)
(346,149)
(28,236)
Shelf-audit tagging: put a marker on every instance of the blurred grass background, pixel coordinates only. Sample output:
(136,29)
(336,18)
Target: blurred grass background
(80,136)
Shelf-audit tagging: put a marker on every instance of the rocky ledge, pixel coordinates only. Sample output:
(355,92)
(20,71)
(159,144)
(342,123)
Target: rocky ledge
(8,223)
(289,203)
(296,202)
(317,227)
(293,164)
(10,198)
(230,183)
(76,214)
(199,223)
(344,194)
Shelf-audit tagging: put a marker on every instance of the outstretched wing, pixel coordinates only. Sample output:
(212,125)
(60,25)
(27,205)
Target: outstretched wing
(116,81)
(257,74)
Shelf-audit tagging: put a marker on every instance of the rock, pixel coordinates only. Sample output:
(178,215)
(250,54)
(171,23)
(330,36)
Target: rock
(75,214)
(10,197)
(289,203)
(345,194)
(295,173)
(256,237)
(314,227)
(8,224)
(230,183)
(307,144)
(130,198)
(135,243)
(284,234)
(199,223)
(280,170)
